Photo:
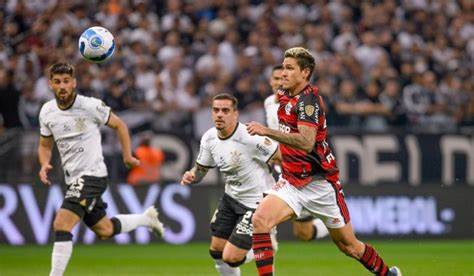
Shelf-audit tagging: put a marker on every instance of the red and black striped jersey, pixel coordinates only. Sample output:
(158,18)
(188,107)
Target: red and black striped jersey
(300,167)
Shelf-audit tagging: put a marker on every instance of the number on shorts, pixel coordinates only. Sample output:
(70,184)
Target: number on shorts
(79,184)
(246,217)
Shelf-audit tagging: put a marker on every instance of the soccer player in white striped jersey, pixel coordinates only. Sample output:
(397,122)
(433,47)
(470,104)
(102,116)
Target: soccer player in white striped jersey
(72,121)
(306,227)
(243,160)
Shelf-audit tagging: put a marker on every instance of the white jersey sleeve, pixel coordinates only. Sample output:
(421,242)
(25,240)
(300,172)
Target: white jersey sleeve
(205,157)
(271,110)
(263,148)
(99,110)
(44,128)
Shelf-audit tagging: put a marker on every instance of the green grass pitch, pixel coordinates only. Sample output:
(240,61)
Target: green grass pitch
(293,259)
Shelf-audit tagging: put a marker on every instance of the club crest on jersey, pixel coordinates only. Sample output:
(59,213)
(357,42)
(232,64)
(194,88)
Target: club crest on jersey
(267,142)
(288,108)
(309,110)
(235,156)
(80,124)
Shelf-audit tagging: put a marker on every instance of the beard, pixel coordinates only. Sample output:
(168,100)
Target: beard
(66,100)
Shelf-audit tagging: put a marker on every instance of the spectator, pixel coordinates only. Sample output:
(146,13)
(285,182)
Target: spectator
(9,99)
(151,160)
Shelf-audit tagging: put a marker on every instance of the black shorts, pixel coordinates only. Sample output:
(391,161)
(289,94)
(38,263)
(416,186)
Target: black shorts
(233,221)
(84,198)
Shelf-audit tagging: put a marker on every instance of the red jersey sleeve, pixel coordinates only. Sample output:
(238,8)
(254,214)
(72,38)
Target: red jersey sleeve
(307,109)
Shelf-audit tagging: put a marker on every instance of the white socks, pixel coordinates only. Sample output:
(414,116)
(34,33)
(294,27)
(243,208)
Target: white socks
(321,229)
(131,222)
(61,253)
(249,257)
(226,270)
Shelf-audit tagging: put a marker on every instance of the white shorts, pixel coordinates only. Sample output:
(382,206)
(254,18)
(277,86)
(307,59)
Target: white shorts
(319,198)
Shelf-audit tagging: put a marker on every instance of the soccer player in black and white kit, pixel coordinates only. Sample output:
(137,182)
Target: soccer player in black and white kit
(72,121)
(243,161)
(305,227)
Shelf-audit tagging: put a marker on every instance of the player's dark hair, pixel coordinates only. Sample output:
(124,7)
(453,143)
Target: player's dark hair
(227,96)
(61,68)
(277,67)
(303,57)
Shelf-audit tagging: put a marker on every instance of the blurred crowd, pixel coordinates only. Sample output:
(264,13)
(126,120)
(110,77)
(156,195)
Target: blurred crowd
(379,64)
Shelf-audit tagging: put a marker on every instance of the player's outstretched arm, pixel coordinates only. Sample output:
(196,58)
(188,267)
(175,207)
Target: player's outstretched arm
(122,131)
(304,139)
(44,155)
(195,175)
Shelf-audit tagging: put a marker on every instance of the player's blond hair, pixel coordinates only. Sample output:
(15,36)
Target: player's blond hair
(303,57)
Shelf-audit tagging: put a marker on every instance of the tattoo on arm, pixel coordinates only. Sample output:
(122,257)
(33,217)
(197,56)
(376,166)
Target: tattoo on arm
(199,172)
(303,140)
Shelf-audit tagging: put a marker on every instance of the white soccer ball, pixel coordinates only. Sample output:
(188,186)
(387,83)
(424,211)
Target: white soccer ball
(96,44)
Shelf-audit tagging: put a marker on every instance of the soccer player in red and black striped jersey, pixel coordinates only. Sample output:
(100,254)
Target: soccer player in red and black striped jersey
(310,178)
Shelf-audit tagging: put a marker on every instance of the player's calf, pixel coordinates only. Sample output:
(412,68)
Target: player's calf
(106,228)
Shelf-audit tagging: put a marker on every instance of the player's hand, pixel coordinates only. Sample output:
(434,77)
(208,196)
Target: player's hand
(188,178)
(254,128)
(131,161)
(43,174)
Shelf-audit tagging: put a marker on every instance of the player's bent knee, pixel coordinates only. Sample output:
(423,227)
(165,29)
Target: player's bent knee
(302,234)
(104,233)
(233,259)
(59,225)
(260,222)
(216,255)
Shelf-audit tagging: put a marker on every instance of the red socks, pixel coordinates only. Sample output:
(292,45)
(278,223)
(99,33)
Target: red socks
(263,251)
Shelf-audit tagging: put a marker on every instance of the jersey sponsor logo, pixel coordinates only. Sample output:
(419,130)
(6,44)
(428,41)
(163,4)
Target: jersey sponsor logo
(280,184)
(102,108)
(263,150)
(234,183)
(284,128)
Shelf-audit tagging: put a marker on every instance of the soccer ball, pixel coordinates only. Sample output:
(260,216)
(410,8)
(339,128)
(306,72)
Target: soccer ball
(96,44)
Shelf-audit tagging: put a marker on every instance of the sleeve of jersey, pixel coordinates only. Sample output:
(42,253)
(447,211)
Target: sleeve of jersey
(44,129)
(308,110)
(100,111)
(264,148)
(204,158)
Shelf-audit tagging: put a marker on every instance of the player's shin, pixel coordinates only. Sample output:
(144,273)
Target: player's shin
(127,223)
(263,250)
(373,262)
(131,222)
(62,251)
(222,267)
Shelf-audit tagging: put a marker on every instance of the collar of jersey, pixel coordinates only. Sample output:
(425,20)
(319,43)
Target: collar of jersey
(73,101)
(232,134)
